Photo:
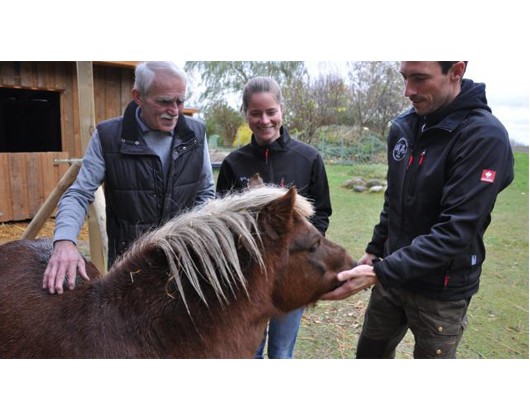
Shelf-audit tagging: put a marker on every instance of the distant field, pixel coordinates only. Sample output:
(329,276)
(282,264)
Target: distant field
(498,315)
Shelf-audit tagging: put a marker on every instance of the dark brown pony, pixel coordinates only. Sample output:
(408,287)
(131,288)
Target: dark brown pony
(202,286)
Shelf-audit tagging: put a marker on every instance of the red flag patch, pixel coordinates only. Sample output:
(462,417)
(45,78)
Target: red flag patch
(488,176)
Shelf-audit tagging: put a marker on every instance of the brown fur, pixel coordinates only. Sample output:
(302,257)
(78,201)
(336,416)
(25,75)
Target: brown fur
(135,311)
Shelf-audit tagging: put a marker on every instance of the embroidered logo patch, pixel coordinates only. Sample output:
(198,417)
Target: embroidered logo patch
(488,176)
(400,149)
(244,181)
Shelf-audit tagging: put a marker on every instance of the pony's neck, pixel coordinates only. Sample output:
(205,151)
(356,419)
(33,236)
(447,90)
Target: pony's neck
(152,316)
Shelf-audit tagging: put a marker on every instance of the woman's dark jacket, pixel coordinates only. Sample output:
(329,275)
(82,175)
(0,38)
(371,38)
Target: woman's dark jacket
(286,162)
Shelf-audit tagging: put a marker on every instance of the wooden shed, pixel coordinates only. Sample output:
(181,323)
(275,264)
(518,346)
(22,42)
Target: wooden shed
(40,124)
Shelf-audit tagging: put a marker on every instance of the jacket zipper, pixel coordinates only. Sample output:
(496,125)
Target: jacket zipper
(412,158)
(446,279)
(411,161)
(410,178)
(268,165)
(422,157)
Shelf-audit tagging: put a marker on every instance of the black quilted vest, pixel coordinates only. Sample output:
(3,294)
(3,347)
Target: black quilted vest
(137,196)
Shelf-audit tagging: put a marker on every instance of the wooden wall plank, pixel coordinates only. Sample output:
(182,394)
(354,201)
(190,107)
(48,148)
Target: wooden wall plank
(6,205)
(127,83)
(48,175)
(45,75)
(99,93)
(74,144)
(28,76)
(112,92)
(68,122)
(49,172)
(18,178)
(87,113)
(7,75)
(34,192)
(52,173)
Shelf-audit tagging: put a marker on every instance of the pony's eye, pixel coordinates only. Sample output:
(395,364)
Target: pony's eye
(315,246)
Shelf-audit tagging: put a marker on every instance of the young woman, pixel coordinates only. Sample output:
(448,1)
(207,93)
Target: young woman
(281,160)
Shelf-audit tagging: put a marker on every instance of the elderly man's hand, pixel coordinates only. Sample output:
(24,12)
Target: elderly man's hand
(63,265)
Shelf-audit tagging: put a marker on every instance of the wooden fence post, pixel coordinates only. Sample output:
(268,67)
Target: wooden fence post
(96,212)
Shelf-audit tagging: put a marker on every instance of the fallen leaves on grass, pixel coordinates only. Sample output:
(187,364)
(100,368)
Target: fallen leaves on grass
(346,313)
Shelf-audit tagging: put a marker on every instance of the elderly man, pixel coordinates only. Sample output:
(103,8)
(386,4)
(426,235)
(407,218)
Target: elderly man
(154,162)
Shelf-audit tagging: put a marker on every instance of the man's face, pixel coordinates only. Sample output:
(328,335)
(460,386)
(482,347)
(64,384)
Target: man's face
(163,103)
(426,86)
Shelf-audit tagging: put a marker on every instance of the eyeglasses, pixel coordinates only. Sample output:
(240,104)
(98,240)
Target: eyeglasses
(169,101)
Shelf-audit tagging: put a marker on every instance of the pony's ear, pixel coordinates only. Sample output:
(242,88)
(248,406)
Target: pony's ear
(278,214)
(255,181)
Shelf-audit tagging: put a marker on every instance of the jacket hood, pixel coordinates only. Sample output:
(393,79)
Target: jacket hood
(471,96)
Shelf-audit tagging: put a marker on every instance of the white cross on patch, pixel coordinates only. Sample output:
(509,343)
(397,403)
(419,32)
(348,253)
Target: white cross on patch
(488,176)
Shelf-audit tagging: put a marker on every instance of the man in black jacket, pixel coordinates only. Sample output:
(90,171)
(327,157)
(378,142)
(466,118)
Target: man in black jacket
(448,159)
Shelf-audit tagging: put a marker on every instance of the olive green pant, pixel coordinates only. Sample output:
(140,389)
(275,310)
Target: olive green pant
(437,325)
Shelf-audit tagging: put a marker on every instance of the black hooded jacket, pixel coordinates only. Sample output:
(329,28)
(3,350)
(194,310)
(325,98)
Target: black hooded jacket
(286,162)
(444,173)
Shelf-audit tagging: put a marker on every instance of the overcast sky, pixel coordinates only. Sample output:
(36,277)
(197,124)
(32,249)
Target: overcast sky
(507,90)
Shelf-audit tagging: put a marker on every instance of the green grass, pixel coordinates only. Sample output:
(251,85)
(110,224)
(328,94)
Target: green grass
(498,315)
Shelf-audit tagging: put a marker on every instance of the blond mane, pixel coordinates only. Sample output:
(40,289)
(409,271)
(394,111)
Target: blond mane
(216,231)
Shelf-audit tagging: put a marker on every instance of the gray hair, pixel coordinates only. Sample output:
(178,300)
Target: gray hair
(145,73)
(258,85)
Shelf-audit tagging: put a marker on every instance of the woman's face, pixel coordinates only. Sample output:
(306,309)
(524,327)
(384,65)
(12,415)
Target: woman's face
(264,117)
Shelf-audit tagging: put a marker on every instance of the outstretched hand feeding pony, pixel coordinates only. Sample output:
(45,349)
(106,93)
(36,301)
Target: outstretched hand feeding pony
(201,286)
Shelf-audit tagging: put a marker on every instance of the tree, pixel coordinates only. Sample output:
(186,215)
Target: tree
(376,93)
(223,120)
(300,110)
(223,78)
(313,103)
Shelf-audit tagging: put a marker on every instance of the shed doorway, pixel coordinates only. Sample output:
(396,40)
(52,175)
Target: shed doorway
(30,121)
